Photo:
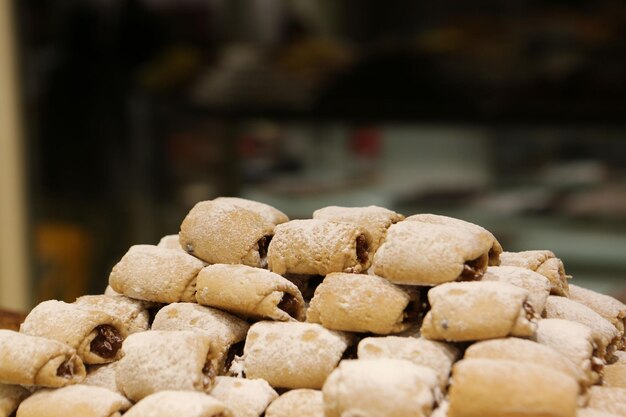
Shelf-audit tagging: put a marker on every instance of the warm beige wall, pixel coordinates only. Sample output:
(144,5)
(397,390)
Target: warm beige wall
(14,288)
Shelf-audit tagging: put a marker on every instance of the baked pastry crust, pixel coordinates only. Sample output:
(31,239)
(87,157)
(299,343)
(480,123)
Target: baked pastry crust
(269,213)
(297,402)
(615,374)
(32,360)
(179,403)
(220,232)
(103,376)
(170,242)
(466,311)
(574,341)
(494,251)
(225,330)
(536,284)
(604,332)
(74,401)
(293,354)
(608,399)
(249,292)
(244,397)
(362,303)
(377,387)
(164,360)
(419,253)
(437,356)
(132,313)
(543,262)
(10,398)
(319,247)
(96,335)
(376,220)
(150,273)
(488,387)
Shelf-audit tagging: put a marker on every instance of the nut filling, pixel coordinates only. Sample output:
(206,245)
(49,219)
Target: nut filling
(66,370)
(361,249)
(474,269)
(107,343)
(289,304)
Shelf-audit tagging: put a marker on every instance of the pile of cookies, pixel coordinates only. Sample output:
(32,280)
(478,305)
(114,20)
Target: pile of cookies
(355,312)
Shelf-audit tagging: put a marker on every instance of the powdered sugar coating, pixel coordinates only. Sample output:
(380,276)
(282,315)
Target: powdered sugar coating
(608,399)
(292,354)
(297,402)
(537,285)
(316,247)
(150,273)
(269,213)
(244,397)
(608,307)
(377,387)
(416,253)
(170,242)
(437,356)
(543,262)
(602,329)
(179,403)
(103,376)
(75,400)
(163,360)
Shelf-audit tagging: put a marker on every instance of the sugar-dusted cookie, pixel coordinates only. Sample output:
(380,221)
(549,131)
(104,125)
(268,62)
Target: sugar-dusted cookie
(179,403)
(249,292)
(319,247)
(298,402)
(244,397)
(133,314)
(543,262)
(96,335)
(170,242)
(465,311)
(537,285)
(269,213)
(608,399)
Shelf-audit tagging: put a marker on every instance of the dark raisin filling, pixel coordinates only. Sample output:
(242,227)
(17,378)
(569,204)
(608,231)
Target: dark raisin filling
(234,350)
(264,244)
(66,370)
(493,257)
(411,312)
(289,304)
(474,269)
(361,249)
(107,343)
(209,374)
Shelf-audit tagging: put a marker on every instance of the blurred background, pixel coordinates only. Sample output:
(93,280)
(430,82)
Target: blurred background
(118,115)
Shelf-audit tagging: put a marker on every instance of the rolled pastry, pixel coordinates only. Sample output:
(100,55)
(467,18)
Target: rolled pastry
(362,303)
(31,360)
(437,356)
(170,242)
(156,274)
(464,311)
(292,354)
(96,336)
(179,403)
(132,313)
(543,262)
(10,398)
(608,399)
(604,332)
(608,307)
(523,351)
(417,253)
(615,374)
(488,387)
(164,360)
(74,401)
(227,332)
(377,387)
(297,402)
(244,397)
(220,232)
(249,292)
(494,251)
(319,247)
(537,285)
(376,220)
(574,341)
(103,376)
(269,213)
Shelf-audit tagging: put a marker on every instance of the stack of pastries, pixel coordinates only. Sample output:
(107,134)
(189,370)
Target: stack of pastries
(357,311)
